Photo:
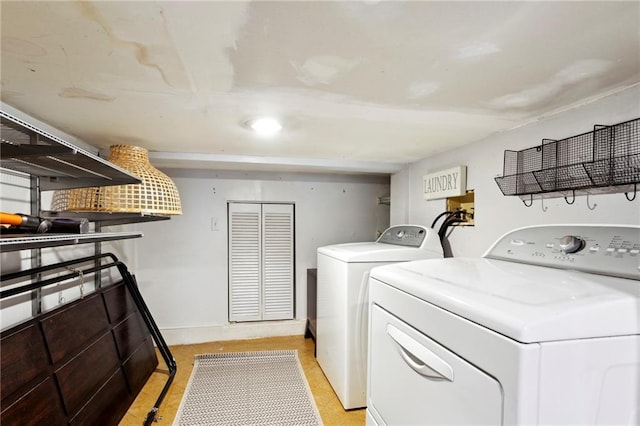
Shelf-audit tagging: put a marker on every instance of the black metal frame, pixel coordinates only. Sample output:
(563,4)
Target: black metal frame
(132,286)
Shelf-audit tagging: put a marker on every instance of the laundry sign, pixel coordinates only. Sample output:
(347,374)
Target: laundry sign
(445,183)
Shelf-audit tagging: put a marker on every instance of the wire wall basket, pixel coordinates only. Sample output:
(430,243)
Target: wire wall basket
(608,156)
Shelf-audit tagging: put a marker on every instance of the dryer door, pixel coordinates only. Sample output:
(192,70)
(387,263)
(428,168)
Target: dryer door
(413,380)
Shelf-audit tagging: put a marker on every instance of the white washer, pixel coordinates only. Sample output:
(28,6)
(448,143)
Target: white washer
(543,330)
(342,312)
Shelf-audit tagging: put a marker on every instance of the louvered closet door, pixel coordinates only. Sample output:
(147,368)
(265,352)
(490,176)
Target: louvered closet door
(260,262)
(244,262)
(277,261)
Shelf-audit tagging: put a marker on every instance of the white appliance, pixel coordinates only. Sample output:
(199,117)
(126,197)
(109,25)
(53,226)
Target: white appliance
(342,311)
(543,330)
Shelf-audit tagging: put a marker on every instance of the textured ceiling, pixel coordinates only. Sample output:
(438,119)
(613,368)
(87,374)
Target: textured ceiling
(359,86)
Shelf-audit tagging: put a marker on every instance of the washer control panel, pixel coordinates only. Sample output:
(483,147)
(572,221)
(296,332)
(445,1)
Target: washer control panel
(612,250)
(404,235)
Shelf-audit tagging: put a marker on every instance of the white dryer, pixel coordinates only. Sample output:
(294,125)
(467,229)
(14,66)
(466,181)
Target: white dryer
(342,311)
(543,330)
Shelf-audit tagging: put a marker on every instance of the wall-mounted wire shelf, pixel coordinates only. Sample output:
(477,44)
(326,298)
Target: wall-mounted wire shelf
(59,164)
(106,219)
(605,160)
(15,242)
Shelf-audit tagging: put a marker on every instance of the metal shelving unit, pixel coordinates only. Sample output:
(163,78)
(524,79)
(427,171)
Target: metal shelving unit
(54,164)
(51,163)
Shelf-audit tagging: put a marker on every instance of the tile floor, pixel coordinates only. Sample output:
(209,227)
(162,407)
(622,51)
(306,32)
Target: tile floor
(328,404)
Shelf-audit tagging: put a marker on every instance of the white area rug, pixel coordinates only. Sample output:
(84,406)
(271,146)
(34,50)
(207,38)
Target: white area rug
(248,388)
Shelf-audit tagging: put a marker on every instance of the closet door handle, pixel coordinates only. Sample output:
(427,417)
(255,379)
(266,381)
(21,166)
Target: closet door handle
(419,358)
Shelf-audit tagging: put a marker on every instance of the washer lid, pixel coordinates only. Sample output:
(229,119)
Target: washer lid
(524,302)
(399,243)
(377,252)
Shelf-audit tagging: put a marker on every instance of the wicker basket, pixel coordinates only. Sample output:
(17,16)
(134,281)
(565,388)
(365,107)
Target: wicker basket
(157,194)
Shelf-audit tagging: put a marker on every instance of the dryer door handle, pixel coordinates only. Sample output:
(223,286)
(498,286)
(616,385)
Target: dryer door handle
(419,358)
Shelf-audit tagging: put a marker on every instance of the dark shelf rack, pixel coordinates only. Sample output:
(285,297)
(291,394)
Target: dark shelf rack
(605,160)
(57,163)
(132,286)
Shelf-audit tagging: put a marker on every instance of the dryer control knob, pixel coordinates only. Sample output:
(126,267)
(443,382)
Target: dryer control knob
(571,244)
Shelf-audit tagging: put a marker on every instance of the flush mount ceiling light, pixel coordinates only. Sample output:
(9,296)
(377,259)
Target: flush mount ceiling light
(264,126)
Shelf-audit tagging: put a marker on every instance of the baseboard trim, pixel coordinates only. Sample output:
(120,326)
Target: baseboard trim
(232,331)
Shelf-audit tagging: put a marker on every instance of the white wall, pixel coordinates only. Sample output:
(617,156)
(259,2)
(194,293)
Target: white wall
(181,264)
(496,213)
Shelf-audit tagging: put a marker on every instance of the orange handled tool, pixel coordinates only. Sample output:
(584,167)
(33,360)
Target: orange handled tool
(10,219)
(13,219)
(39,225)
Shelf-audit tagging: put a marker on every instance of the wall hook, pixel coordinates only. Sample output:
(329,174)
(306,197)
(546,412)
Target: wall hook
(544,209)
(573,200)
(530,202)
(589,206)
(626,194)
